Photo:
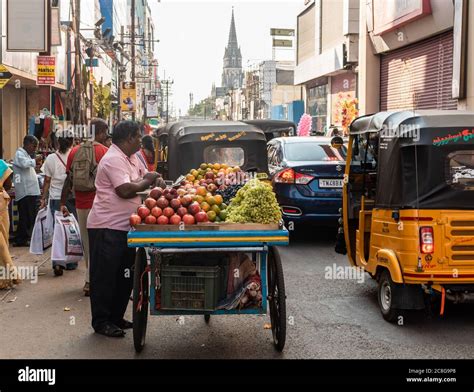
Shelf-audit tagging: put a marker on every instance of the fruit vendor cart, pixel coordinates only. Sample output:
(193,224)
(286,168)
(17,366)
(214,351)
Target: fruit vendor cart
(195,285)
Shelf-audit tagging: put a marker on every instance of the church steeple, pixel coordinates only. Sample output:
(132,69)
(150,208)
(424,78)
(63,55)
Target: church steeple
(232,75)
(232,33)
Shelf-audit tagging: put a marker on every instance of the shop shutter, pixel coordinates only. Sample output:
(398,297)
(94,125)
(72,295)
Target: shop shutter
(419,76)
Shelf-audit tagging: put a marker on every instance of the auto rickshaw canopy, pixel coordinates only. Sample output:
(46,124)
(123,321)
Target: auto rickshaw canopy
(190,143)
(423,159)
(274,128)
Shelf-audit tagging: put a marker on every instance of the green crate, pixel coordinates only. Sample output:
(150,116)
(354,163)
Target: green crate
(209,259)
(190,287)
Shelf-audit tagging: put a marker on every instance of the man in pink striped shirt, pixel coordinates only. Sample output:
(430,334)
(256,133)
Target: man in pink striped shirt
(120,175)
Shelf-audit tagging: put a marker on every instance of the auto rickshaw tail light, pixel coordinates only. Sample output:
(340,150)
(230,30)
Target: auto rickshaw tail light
(426,240)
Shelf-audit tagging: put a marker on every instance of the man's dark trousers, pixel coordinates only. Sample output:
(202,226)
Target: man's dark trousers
(111,275)
(27,210)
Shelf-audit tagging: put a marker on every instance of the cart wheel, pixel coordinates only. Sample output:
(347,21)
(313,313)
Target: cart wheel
(207,317)
(276,298)
(140,316)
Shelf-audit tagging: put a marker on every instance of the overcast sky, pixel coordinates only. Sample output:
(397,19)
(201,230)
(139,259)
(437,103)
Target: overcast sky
(193,35)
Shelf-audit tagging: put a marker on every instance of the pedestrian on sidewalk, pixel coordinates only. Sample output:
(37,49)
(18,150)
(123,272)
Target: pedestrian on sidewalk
(6,263)
(54,169)
(147,153)
(84,193)
(119,177)
(27,190)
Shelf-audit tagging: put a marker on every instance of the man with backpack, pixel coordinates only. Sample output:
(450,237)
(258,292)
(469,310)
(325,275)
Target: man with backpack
(82,168)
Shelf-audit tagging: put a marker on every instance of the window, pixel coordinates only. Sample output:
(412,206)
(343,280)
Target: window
(232,156)
(314,151)
(460,173)
(271,153)
(317,107)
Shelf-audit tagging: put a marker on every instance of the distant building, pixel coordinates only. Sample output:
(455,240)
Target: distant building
(232,74)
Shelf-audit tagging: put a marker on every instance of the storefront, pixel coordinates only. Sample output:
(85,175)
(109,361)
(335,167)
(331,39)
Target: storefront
(317,104)
(418,76)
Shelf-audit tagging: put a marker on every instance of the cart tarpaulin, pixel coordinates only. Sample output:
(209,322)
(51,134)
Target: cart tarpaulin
(67,244)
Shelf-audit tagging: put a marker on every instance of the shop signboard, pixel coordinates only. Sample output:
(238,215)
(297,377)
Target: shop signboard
(46,70)
(128,96)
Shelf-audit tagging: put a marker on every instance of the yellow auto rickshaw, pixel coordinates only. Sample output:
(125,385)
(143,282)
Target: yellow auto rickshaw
(408,207)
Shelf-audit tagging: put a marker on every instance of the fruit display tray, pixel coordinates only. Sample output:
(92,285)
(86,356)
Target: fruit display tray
(210,227)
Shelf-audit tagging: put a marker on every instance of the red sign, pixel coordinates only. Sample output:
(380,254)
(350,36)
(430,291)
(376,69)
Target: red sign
(391,15)
(46,70)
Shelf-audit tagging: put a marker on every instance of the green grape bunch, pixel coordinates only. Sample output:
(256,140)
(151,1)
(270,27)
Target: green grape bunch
(255,202)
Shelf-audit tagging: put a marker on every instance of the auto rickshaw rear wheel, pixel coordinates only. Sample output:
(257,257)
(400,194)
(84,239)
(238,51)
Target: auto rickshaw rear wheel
(140,299)
(385,293)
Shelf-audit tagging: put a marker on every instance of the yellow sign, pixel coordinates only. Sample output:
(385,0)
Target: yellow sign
(128,100)
(46,70)
(5,76)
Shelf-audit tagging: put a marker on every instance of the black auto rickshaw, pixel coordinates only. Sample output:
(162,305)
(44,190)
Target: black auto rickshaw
(274,128)
(182,146)
(408,207)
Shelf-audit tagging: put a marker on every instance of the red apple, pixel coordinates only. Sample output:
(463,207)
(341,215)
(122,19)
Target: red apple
(175,204)
(162,202)
(175,220)
(201,217)
(168,212)
(135,220)
(150,220)
(169,196)
(156,212)
(186,200)
(209,176)
(150,203)
(188,219)
(143,212)
(162,220)
(156,193)
(194,208)
(209,181)
(182,211)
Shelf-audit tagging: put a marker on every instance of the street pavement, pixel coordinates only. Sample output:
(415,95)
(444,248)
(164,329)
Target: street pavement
(327,318)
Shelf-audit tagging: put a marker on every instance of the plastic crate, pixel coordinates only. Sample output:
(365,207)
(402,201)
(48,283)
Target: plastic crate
(190,287)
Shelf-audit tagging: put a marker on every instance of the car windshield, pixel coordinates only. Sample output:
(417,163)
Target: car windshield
(314,151)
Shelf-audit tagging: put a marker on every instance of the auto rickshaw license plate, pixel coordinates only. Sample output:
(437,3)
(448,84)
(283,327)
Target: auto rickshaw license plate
(330,183)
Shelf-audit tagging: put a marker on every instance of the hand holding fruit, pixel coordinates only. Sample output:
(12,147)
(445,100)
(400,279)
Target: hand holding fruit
(151,177)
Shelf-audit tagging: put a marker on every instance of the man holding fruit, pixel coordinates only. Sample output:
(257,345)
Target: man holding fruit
(120,176)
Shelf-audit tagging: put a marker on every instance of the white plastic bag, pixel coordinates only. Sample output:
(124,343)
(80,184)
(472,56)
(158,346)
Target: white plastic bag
(42,236)
(67,244)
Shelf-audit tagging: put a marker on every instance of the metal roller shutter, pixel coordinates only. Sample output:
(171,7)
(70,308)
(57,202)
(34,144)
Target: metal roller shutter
(419,76)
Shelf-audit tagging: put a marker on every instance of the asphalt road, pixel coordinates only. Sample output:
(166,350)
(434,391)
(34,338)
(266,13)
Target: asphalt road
(328,318)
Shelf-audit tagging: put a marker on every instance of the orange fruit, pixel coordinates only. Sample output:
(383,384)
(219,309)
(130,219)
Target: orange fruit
(211,200)
(219,200)
(217,166)
(190,178)
(205,207)
(211,215)
(198,198)
(201,191)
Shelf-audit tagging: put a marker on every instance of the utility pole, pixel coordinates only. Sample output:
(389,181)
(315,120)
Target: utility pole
(77,71)
(119,108)
(133,47)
